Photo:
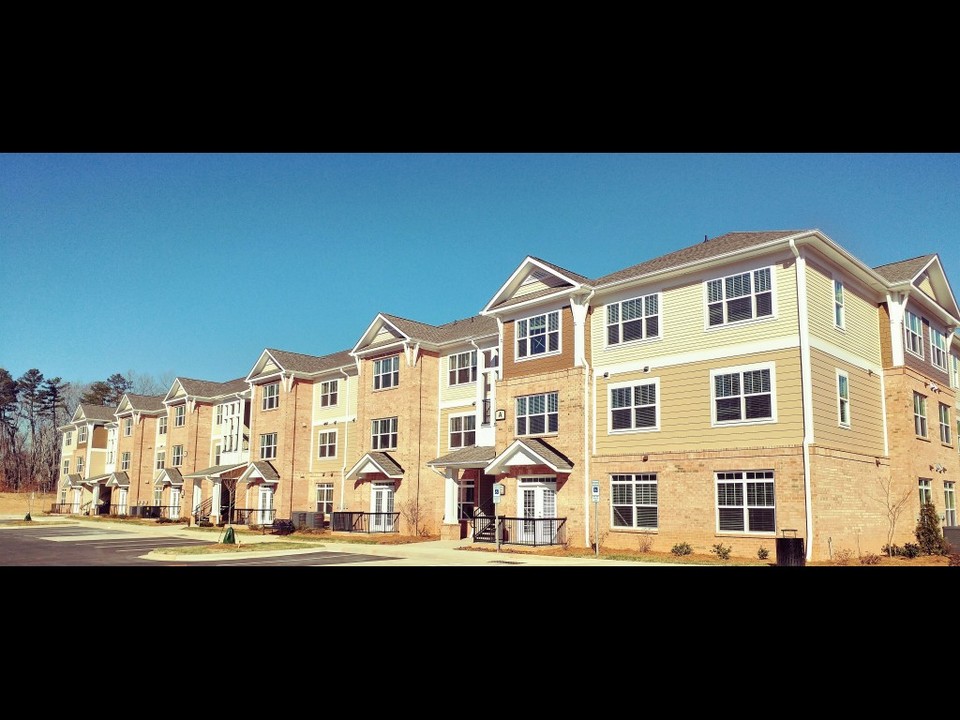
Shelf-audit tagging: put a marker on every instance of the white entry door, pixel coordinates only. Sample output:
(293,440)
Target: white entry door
(77,497)
(197,494)
(122,501)
(381,505)
(538,510)
(174,503)
(265,505)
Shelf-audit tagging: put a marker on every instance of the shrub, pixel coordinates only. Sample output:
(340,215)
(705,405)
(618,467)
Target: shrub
(842,556)
(763,553)
(911,550)
(645,543)
(721,552)
(929,537)
(954,560)
(892,550)
(681,549)
(870,559)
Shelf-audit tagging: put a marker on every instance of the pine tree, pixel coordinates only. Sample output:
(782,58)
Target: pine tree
(929,536)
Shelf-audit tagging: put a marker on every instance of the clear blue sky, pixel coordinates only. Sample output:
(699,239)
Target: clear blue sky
(191,264)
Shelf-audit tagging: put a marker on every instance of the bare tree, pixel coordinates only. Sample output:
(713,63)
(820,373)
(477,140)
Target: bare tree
(894,504)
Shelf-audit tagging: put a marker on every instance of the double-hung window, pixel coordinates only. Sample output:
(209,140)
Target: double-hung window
(538,335)
(843,398)
(839,312)
(268,446)
(327,444)
(538,414)
(127,427)
(735,298)
(161,459)
(125,461)
(82,435)
(462,368)
(913,334)
(80,465)
(220,414)
(745,501)
(938,349)
(920,414)
(386,372)
(177,459)
(68,438)
(634,319)
(743,395)
(926,491)
(384,434)
(66,468)
(633,500)
(634,406)
(463,431)
(329,393)
(325,498)
(179,415)
(949,504)
(162,425)
(944,424)
(271,396)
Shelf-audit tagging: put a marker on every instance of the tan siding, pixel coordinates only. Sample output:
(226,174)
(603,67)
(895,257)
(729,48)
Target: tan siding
(445,416)
(865,434)
(346,399)
(531,287)
(860,334)
(886,348)
(268,367)
(383,335)
(685,409)
(925,285)
(551,363)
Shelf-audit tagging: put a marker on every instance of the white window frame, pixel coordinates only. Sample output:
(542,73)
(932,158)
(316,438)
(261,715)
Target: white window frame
(642,500)
(710,297)
(634,384)
(176,459)
(524,335)
(65,469)
(268,446)
(938,349)
(270,396)
(843,398)
(125,461)
(80,465)
(925,487)
(460,365)
(127,427)
(81,434)
(645,318)
(162,425)
(949,503)
(160,461)
(913,337)
(743,479)
(839,304)
(68,437)
(457,428)
(324,498)
(944,417)
(179,415)
(386,372)
(326,444)
(384,430)
(740,370)
(920,414)
(220,414)
(954,371)
(330,393)
(547,414)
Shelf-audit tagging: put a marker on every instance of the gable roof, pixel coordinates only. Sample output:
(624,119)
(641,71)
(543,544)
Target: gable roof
(530,451)
(904,270)
(142,403)
(206,389)
(471,456)
(377,462)
(89,411)
(404,329)
(299,364)
(557,281)
(917,273)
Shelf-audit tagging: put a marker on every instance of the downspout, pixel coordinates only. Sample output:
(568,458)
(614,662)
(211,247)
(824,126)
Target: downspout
(293,444)
(346,425)
(139,463)
(806,391)
(586,423)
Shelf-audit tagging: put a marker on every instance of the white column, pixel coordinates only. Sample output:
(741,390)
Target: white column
(450,492)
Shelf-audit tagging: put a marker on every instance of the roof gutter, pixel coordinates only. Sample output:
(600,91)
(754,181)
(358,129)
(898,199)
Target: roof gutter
(806,390)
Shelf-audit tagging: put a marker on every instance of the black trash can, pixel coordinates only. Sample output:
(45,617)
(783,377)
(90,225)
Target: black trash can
(790,552)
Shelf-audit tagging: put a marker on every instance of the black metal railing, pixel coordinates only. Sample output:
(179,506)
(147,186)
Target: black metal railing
(202,512)
(485,412)
(252,516)
(532,532)
(364,522)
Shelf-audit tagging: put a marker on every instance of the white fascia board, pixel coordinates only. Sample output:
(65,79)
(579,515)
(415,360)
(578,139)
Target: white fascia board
(513,282)
(173,387)
(370,332)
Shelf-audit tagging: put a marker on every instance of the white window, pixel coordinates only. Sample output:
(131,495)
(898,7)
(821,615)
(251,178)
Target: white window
(920,414)
(466,499)
(839,314)
(913,334)
(538,335)
(66,468)
(161,462)
(179,415)
(944,424)
(80,465)
(111,457)
(268,446)
(938,349)
(926,493)
(538,414)
(127,427)
(843,398)
(463,431)
(462,368)
(325,498)
(634,319)
(384,434)
(162,425)
(745,501)
(329,393)
(386,372)
(216,454)
(327,444)
(735,298)
(743,395)
(68,438)
(125,461)
(177,459)
(954,372)
(949,504)
(633,406)
(271,396)
(633,500)
(82,435)
(219,414)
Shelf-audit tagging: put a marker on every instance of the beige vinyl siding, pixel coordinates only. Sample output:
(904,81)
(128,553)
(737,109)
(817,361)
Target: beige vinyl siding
(346,399)
(384,335)
(533,286)
(924,284)
(686,412)
(346,443)
(865,434)
(445,415)
(268,367)
(683,317)
(861,333)
(466,391)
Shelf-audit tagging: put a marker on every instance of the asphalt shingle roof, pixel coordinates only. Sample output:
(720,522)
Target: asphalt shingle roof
(471,327)
(902,270)
(299,362)
(473,455)
(98,412)
(148,403)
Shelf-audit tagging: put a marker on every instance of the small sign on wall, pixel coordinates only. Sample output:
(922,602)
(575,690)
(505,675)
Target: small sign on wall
(500,415)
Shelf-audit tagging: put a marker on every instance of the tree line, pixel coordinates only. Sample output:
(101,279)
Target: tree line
(33,408)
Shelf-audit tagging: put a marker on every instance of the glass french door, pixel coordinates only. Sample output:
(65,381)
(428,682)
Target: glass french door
(381,507)
(174,503)
(538,510)
(122,501)
(265,505)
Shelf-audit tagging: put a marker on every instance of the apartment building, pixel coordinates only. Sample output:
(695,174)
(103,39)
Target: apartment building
(132,462)
(753,386)
(83,456)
